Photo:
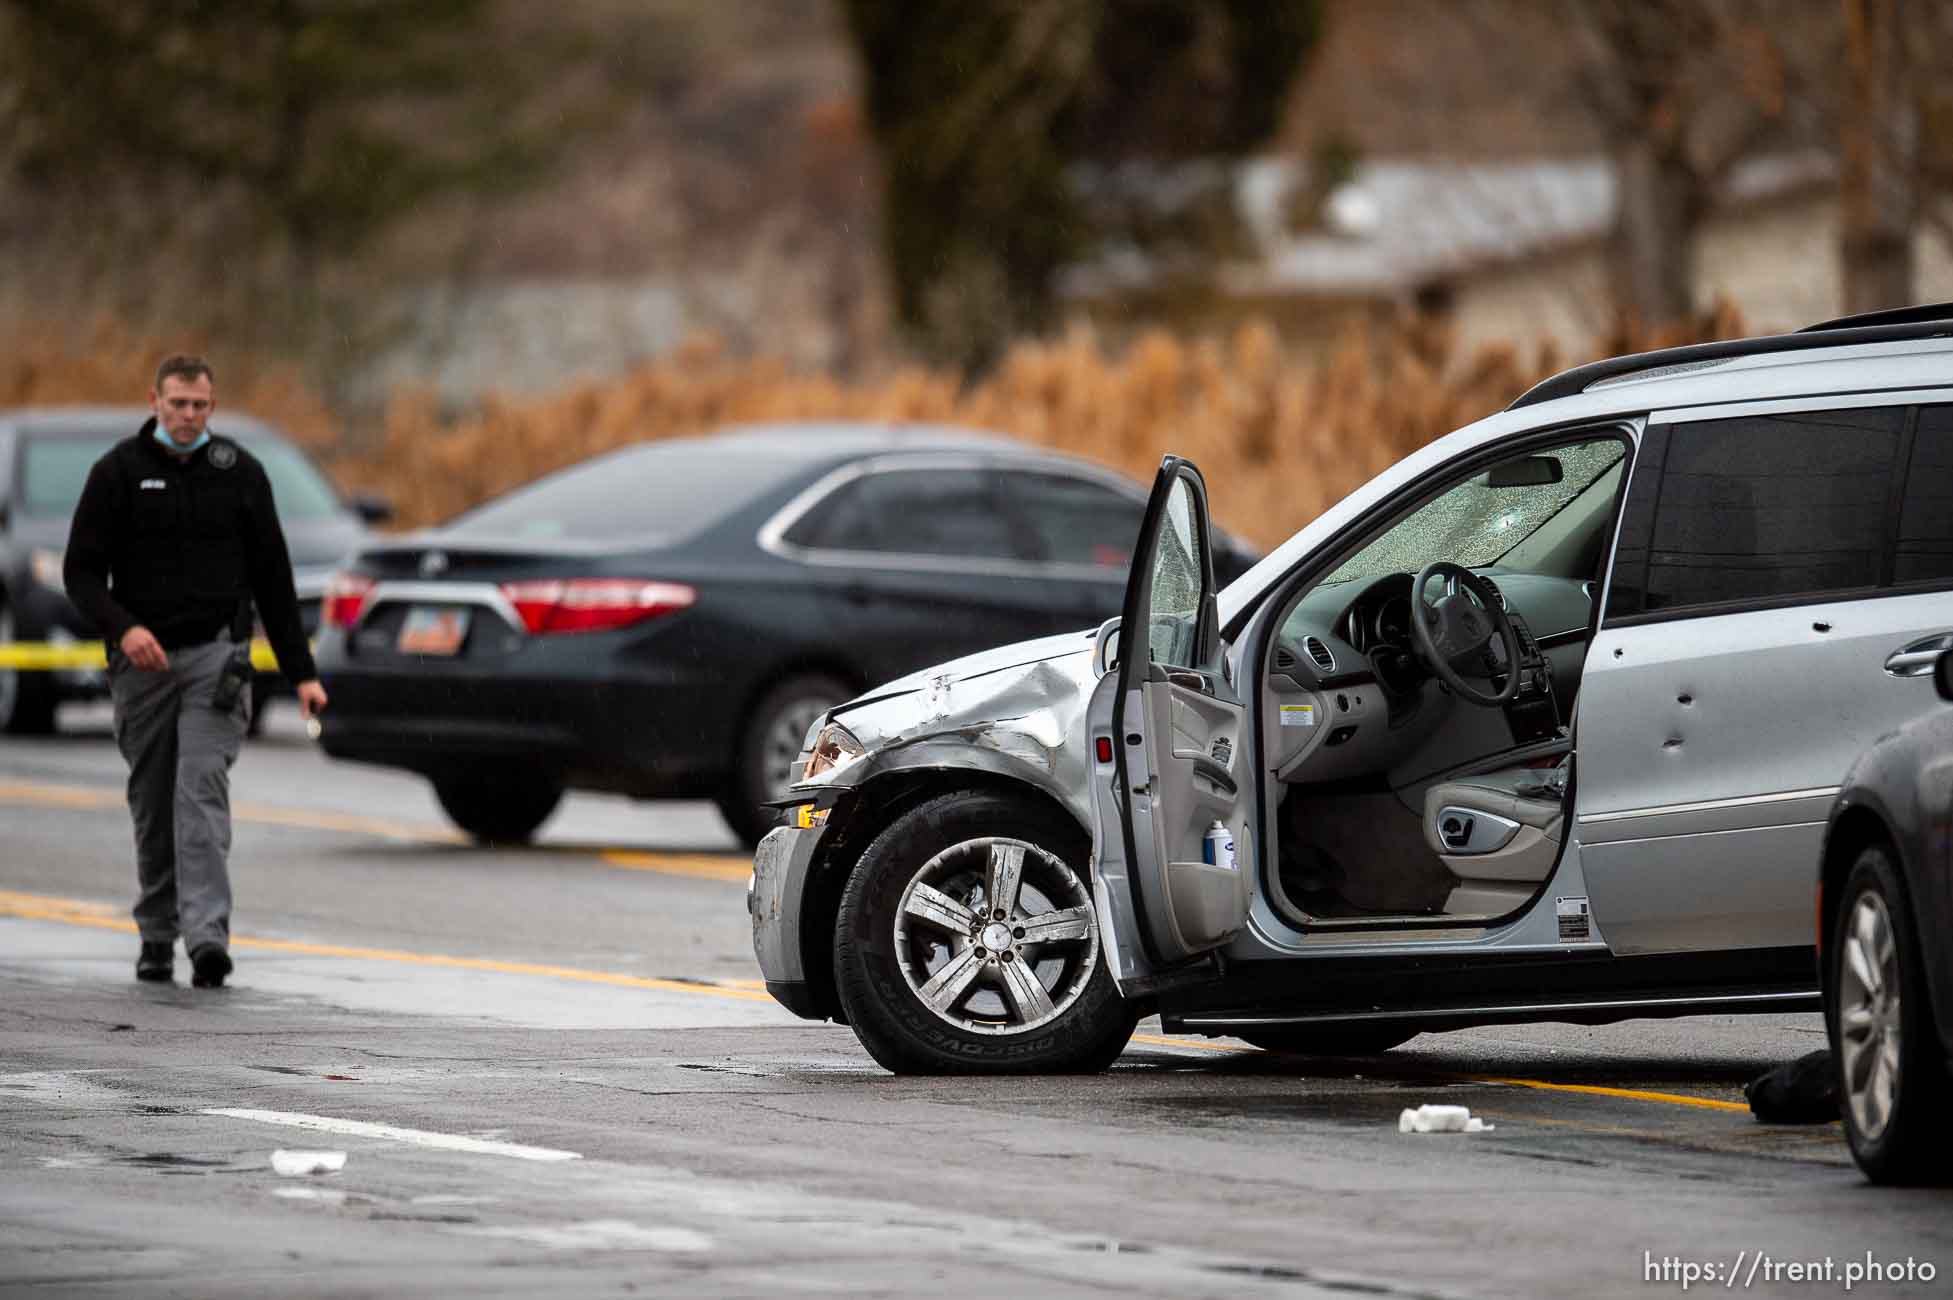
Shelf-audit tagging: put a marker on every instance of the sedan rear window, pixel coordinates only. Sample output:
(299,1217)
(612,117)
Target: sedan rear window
(659,492)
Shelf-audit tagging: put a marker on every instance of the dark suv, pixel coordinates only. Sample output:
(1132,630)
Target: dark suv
(45,456)
(1885,927)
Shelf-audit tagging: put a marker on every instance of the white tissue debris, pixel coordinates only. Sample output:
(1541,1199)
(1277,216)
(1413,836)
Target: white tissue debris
(1441,1119)
(297,1164)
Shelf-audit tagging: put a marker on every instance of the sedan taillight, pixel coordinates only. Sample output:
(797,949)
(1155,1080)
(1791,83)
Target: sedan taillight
(345,598)
(593,604)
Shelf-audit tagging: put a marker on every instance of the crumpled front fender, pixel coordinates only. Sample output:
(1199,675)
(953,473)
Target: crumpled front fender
(1026,723)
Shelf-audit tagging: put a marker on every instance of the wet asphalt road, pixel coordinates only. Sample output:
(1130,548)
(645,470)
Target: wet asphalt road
(551,1071)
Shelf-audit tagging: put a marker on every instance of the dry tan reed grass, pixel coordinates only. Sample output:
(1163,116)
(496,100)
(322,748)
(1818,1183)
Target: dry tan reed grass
(1279,438)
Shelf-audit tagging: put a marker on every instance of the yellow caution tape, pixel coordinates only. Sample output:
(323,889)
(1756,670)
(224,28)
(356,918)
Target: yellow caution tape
(41,656)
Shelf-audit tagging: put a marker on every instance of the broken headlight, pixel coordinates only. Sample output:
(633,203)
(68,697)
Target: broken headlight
(832,749)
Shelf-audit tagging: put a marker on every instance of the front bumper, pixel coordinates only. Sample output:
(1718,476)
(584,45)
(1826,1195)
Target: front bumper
(776,898)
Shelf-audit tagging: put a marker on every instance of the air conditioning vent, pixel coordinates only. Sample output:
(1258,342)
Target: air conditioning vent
(1284,659)
(1320,654)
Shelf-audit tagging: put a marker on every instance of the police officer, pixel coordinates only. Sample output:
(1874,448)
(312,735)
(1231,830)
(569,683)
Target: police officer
(174,537)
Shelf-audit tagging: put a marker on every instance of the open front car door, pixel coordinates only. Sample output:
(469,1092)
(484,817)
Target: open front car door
(1173,853)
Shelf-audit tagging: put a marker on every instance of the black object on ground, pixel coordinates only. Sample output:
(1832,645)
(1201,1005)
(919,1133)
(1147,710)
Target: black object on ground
(1805,1091)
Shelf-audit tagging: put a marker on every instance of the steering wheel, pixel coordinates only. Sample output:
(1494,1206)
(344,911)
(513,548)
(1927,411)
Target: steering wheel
(1457,628)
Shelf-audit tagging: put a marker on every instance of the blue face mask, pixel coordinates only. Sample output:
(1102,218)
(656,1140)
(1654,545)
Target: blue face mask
(162,435)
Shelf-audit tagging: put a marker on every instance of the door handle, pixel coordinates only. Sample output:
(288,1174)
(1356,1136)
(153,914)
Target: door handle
(1917,659)
(1213,771)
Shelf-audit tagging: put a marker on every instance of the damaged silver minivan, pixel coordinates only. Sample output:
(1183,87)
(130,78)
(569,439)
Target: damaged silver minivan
(1543,723)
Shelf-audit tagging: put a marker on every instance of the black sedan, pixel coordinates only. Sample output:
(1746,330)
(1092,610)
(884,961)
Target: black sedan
(45,456)
(668,620)
(1885,922)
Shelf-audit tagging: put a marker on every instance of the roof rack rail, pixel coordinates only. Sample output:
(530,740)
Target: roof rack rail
(1924,311)
(1577,380)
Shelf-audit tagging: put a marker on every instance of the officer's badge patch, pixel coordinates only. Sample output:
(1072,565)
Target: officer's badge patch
(223,455)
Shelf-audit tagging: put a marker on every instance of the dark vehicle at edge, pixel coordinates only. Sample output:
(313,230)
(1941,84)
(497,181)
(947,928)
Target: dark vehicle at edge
(1885,928)
(668,620)
(45,456)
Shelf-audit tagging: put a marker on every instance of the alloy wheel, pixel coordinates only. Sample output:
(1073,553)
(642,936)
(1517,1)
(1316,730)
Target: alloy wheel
(1869,1015)
(996,936)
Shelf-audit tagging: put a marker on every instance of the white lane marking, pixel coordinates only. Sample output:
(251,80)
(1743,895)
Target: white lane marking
(63,1088)
(600,1234)
(411,1136)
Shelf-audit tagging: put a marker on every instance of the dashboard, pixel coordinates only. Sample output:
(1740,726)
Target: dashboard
(1354,629)
(1353,656)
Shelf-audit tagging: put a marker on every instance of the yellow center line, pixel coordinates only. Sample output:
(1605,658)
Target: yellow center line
(74,911)
(729,868)
(732,868)
(76,796)
(706,866)
(1589,1089)
(1628,1094)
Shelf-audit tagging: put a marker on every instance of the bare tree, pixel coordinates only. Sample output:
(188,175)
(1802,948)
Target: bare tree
(1878,157)
(1635,61)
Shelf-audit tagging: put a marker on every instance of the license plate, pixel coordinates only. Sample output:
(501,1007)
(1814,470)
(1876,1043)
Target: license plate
(433,630)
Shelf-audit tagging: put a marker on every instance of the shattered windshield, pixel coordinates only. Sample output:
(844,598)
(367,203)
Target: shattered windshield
(1475,523)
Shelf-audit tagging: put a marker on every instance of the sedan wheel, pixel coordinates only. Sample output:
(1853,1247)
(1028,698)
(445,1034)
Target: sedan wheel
(968,944)
(1892,1072)
(772,741)
(498,810)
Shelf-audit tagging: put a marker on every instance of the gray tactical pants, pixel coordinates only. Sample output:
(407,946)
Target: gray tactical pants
(180,749)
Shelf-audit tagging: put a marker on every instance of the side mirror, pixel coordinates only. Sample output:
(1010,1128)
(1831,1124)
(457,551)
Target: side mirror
(1943,675)
(1527,471)
(1105,648)
(371,507)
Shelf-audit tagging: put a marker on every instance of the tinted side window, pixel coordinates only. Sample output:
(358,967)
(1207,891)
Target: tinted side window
(1770,505)
(944,512)
(1076,521)
(1925,549)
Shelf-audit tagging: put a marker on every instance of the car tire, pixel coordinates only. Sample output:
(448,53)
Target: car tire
(768,745)
(935,983)
(27,699)
(498,810)
(1345,1041)
(1892,1073)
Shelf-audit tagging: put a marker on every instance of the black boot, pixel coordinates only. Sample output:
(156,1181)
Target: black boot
(157,965)
(209,964)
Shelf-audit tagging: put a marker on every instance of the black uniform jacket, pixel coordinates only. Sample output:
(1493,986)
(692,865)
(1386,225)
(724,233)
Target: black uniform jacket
(178,544)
